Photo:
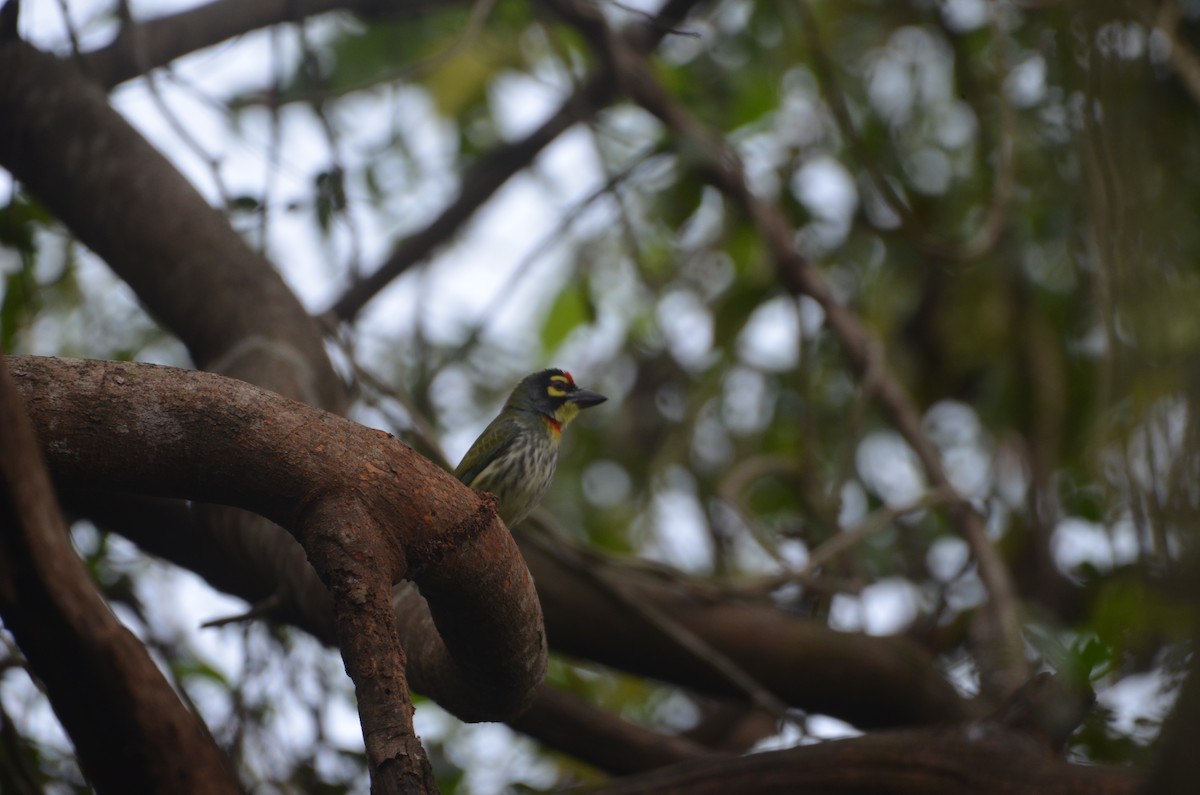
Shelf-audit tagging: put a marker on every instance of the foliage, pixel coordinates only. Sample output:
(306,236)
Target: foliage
(1002,195)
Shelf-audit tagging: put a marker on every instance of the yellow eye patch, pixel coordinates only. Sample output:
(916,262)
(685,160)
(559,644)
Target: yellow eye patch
(556,391)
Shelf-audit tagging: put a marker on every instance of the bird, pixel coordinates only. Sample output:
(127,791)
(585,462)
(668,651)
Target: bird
(516,455)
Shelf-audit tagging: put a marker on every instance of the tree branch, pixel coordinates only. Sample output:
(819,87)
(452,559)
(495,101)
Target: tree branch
(130,730)
(60,138)
(569,724)
(868,681)
(982,759)
(368,510)
(143,46)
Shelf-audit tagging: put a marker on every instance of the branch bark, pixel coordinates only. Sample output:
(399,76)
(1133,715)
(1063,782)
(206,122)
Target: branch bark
(100,177)
(868,681)
(131,732)
(368,509)
(570,725)
(979,758)
(143,46)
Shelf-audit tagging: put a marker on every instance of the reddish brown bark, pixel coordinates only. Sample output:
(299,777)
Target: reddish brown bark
(367,508)
(130,730)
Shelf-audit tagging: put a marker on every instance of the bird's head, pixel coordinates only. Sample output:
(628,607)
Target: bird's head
(553,394)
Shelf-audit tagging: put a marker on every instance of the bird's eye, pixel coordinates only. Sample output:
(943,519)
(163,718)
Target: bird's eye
(559,385)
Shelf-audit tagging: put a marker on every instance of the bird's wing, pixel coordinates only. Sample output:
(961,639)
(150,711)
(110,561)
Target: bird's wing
(491,444)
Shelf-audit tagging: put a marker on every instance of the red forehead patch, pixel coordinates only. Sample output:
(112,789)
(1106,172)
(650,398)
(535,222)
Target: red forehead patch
(570,380)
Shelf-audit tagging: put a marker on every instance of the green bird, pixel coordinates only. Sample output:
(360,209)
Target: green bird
(516,455)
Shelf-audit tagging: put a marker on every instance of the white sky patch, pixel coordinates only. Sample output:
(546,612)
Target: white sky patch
(746,400)
(770,340)
(929,170)
(812,316)
(1139,704)
(964,16)
(493,757)
(341,725)
(883,608)
(827,190)
(955,428)
(888,606)
(854,504)
(688,327)
(1011,475)
(521,103)
(1076,541)
(678,533)
(889,468)
(711,448)
(946,557)
(1154,447)
(183,596)
(606,484)
(845,613)
(957,126)
(37,721)
(1026,82)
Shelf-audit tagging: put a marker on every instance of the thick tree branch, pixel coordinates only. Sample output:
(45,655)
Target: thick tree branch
(130,730)
(868,681)
(143,46)
(872,681)
(1016,750)
(980,758)
(59,137)
(229,306)
(368,509)
(569,724)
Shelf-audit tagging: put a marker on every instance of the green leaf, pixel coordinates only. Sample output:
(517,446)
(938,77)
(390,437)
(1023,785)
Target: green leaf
(572,308)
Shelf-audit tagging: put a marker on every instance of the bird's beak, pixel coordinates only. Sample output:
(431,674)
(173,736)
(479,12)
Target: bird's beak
(586,398)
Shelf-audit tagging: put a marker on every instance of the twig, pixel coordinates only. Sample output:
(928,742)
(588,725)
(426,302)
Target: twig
(69,24)
(551,239)
(996,218)
(595,570)
(875,521)
(1183,59)
(495,168)
(722,168)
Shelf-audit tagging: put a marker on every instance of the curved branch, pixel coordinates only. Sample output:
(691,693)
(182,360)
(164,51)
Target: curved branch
(557,720)
(128,726)
(368,510)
